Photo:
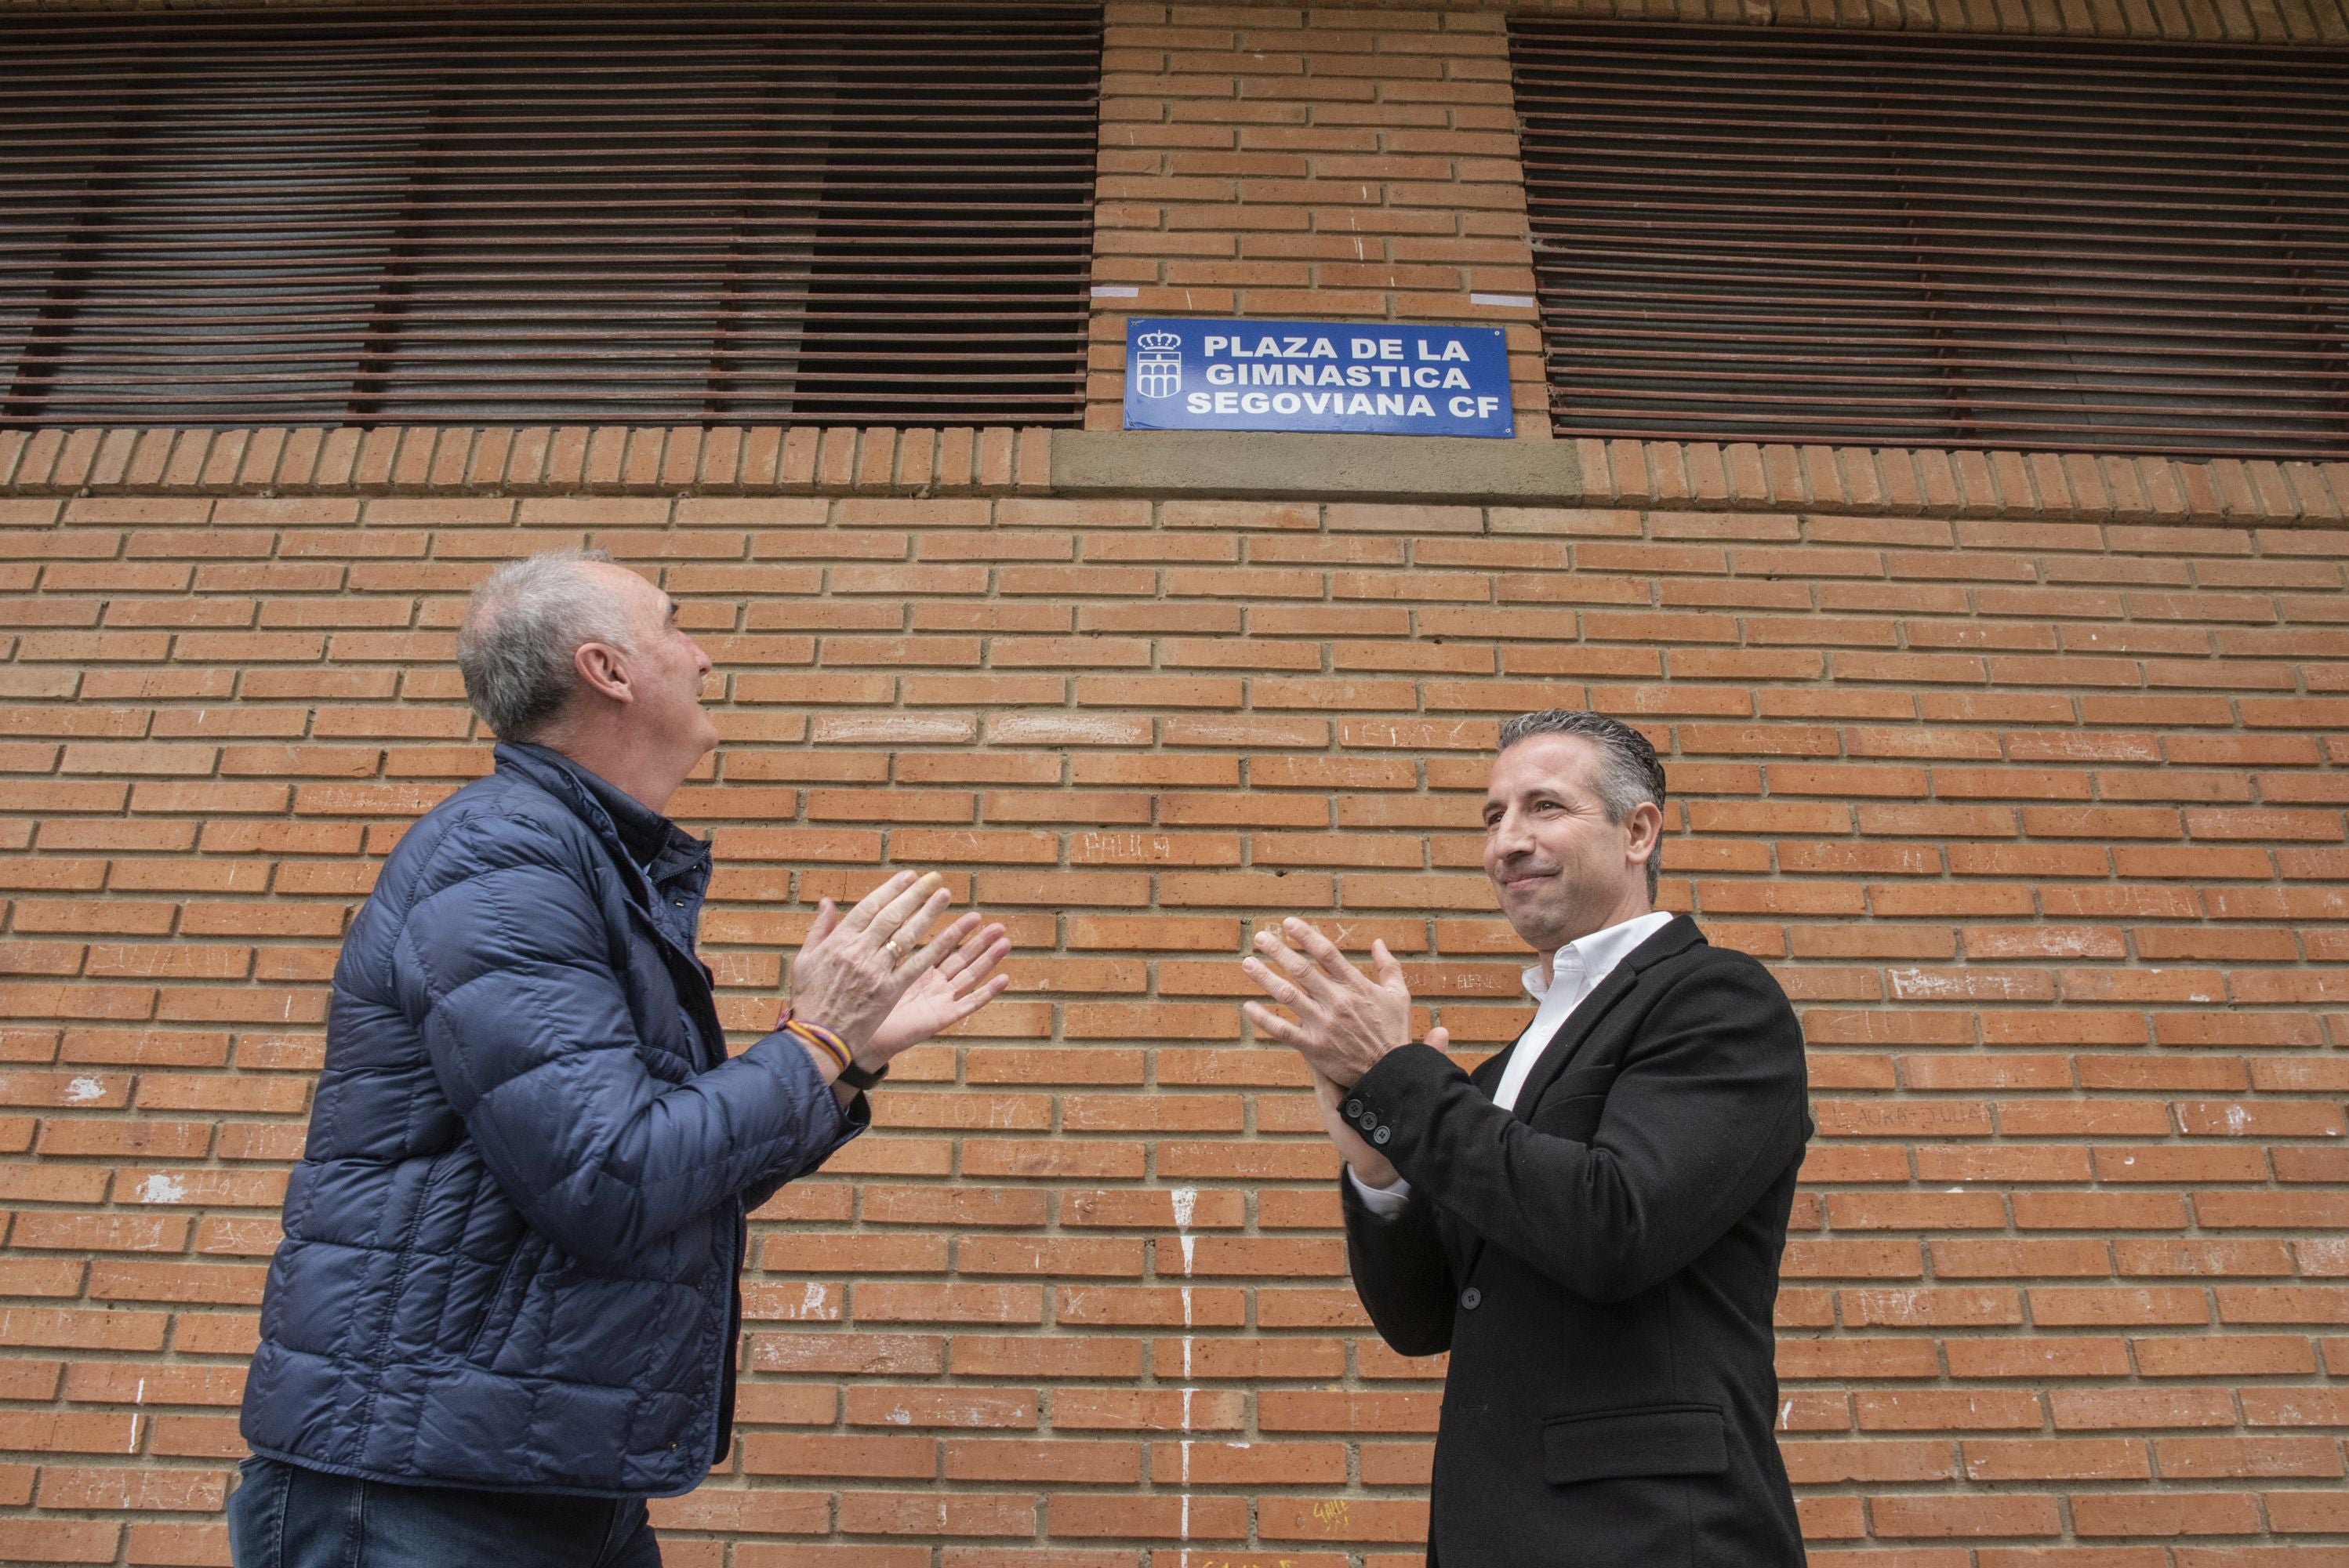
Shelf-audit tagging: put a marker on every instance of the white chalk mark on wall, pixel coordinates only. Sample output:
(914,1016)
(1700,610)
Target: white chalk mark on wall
(1187,1203)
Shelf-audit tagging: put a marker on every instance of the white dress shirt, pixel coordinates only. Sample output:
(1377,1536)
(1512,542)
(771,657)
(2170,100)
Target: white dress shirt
(1575,971)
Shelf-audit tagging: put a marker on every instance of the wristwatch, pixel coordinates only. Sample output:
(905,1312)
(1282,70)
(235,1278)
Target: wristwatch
(856,1077)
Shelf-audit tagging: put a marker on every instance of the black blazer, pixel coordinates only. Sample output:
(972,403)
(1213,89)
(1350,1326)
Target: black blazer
(1601,1263)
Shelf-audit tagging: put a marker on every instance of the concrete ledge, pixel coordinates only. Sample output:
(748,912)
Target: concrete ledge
(1314,468)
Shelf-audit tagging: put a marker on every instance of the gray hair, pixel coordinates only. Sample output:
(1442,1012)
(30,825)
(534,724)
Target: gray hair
(523,625)
(1628,772)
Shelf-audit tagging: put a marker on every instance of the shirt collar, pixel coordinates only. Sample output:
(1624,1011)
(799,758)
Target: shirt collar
(1598,953)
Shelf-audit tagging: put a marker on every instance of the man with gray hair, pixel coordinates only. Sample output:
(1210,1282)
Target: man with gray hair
(505,1310)
(1591,1221)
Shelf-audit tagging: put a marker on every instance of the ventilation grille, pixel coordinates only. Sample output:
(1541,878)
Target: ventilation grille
(874,214)
(1748,234)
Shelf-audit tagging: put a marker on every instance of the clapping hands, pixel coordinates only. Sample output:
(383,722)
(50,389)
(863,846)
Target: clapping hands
(1344,1020)
(867,975)
(959,984)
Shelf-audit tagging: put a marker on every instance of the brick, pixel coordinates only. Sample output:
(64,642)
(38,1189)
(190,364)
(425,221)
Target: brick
(2035,1360)
(1946,1410)
(2169,1514)
(1946,1517)
(59,1541)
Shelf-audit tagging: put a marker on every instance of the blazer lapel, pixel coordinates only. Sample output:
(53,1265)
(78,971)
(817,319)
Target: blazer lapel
(1681,933)
(1559,1053)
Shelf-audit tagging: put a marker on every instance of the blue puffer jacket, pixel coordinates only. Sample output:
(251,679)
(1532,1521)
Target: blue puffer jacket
(513,1241)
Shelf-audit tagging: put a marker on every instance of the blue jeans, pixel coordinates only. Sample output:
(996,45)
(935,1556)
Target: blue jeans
(285,1517)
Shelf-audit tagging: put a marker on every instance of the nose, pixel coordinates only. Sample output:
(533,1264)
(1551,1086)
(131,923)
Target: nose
(1509,837)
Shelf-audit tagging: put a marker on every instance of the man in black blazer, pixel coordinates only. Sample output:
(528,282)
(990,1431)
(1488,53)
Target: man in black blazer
(1591,1221)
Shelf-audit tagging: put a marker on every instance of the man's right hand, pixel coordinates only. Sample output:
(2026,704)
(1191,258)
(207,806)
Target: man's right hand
(854,967)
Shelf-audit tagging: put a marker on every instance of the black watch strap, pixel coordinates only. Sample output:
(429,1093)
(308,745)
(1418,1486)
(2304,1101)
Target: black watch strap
(856,1077)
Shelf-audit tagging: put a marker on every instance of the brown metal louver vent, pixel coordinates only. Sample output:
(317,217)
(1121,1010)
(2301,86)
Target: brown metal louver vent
(839,213)
(1750,234)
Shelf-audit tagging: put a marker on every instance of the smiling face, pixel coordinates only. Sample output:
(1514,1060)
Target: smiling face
(1561,869)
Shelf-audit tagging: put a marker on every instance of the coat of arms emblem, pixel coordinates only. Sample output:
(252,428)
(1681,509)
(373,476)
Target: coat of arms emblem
(1158,365)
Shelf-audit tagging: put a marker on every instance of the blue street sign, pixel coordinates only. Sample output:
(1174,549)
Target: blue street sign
(1382,378)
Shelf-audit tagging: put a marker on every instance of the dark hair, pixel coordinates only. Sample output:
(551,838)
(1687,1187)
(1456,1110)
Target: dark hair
(1629,771)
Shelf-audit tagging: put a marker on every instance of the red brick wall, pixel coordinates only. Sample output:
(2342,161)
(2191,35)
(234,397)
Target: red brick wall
(2025,774)
(2040,820)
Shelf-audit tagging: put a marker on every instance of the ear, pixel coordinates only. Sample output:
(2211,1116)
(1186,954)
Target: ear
(1645,828)
(605,670)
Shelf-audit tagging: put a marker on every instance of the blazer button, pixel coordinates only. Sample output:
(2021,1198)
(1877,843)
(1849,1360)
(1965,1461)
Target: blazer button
(1382,1134)
(1353,1108)
(1471,1299)
(1367,1120)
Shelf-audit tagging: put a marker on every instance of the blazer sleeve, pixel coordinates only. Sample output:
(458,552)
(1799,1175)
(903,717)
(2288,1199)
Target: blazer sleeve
(506,971)
(1400,1272)
(1708,1110)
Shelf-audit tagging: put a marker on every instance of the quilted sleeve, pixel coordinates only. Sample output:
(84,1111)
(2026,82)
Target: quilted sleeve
(505,968)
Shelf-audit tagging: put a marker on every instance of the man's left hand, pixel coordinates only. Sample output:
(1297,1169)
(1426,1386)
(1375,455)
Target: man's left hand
(959,984)
(1345,1020)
